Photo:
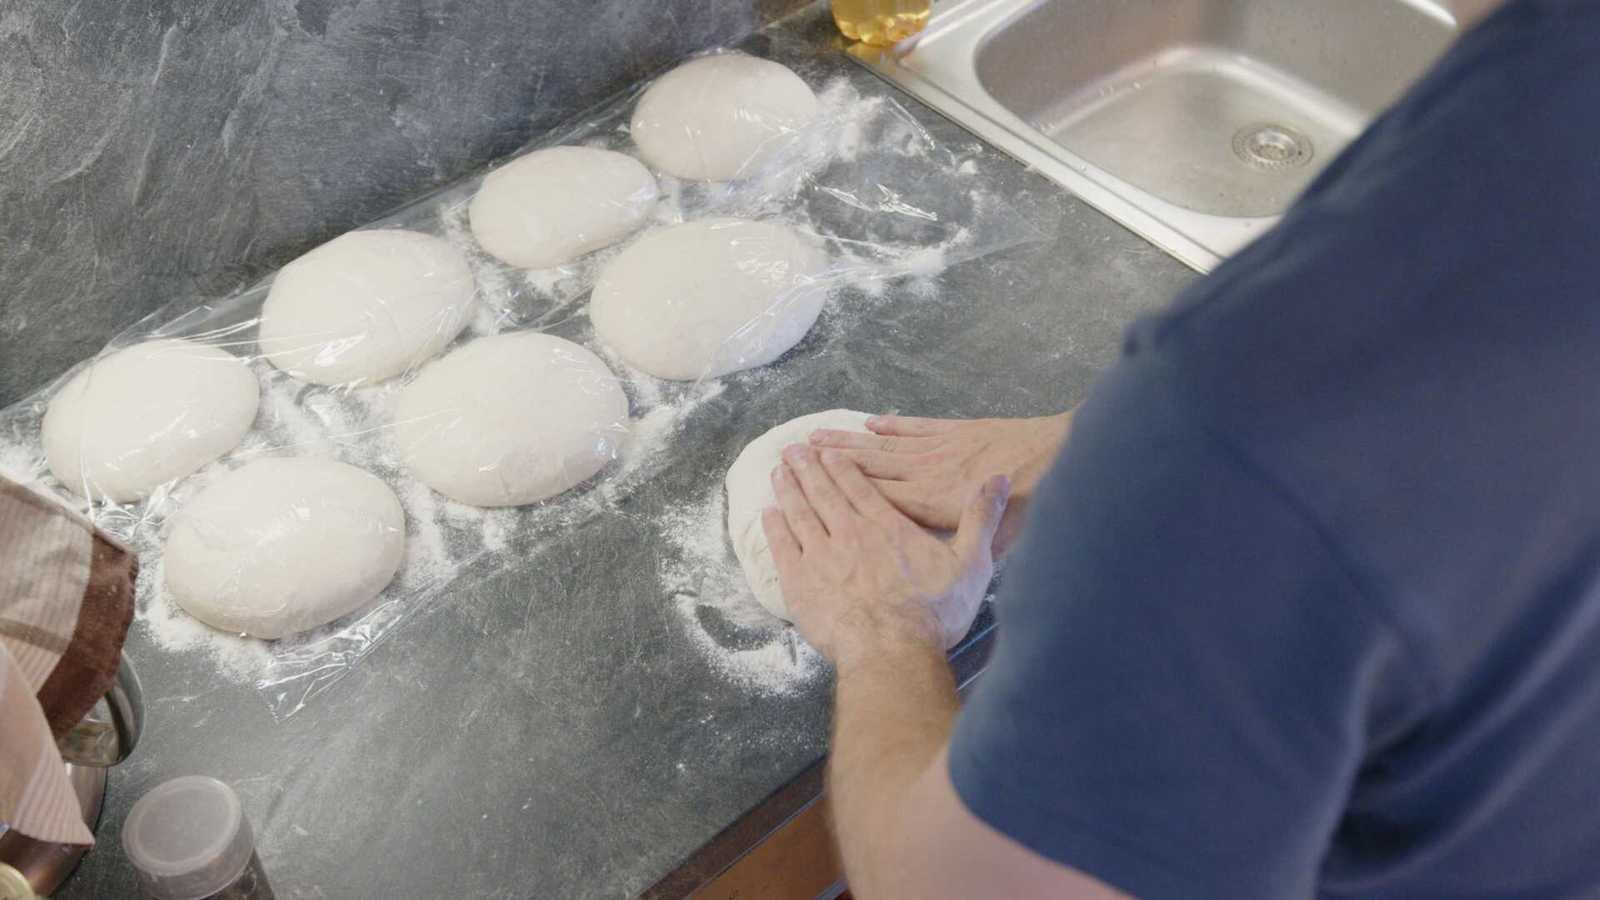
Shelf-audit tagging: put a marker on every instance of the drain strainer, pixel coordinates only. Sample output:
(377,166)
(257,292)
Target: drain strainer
(1271,147)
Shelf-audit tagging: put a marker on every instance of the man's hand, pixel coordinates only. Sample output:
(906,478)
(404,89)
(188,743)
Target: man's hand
(884,599)
(930,468)
(858,575)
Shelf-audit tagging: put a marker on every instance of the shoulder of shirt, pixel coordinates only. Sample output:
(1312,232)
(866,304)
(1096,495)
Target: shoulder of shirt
(1162,386)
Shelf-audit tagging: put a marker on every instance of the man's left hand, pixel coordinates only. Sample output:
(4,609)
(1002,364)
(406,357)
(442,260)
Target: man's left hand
(858,575)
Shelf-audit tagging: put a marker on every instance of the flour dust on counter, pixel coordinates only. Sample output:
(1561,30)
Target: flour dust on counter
(662,411)
(18,461)
(229,657)
(736,637)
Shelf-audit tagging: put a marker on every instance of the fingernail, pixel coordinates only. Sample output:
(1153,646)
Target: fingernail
(830,456)
(874,421)
(816,437)
(1000,486)
(795,454)
(777,473)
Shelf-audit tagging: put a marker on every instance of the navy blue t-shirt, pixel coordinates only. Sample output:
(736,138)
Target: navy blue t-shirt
(1310,605)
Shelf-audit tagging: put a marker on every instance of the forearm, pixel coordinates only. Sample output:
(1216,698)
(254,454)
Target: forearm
(883,598)
(893,715)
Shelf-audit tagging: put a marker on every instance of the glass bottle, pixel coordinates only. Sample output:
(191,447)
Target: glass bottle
(881,23)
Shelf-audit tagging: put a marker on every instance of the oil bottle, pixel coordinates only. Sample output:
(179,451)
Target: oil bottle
(881,23)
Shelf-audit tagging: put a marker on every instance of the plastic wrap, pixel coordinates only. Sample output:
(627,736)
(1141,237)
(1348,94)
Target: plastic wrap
(375,350)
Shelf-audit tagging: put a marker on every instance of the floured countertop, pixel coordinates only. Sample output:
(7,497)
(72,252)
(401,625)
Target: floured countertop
(577,724)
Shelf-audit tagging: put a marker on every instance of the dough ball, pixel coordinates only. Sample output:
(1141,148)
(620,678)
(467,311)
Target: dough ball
(144,416)
(553,206)
(366,306)
(712,118)
(281,546)
(750,491)
(707,298)
(511,419)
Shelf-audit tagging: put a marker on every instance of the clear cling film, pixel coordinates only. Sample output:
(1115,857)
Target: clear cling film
(493,364)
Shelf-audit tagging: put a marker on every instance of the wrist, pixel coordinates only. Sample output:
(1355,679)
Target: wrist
(892,651)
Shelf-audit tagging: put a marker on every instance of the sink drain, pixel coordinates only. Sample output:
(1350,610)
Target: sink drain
(1271,147)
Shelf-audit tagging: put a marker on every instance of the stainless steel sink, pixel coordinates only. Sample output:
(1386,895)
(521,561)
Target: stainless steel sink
(1193,122)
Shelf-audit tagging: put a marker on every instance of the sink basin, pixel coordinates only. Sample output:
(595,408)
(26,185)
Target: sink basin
(1193,122)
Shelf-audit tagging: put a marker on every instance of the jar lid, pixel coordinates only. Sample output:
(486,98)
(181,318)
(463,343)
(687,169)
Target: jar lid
(188,838)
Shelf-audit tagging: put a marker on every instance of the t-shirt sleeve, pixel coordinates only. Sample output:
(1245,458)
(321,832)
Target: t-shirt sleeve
(1187,676)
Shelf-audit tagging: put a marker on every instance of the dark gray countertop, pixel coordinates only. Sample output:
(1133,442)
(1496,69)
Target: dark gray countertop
(554,731)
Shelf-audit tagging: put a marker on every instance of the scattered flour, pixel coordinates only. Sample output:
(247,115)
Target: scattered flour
(669,202)
(737,638)
(487,320)
(20,463)
(235,657)
(428,556)
(659,411)
(555,281)
(497,527)
(654,432)
(496,301)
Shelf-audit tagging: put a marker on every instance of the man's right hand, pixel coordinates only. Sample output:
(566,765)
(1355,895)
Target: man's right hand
(930,468)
